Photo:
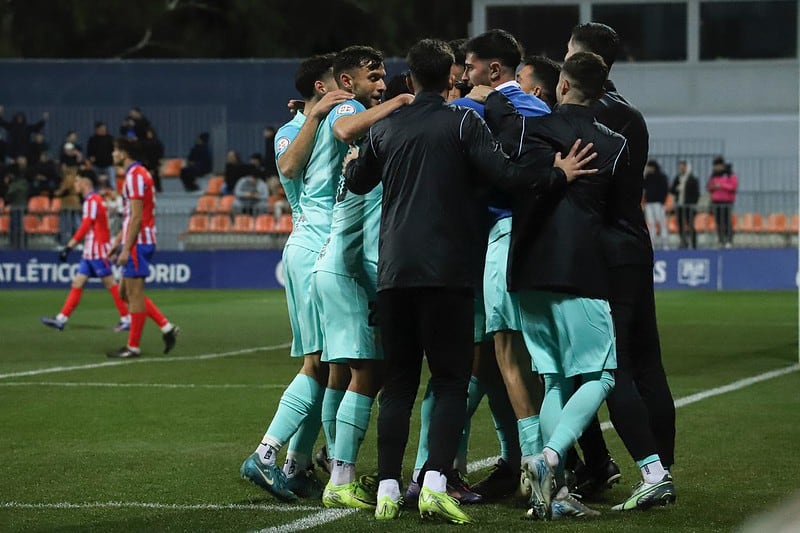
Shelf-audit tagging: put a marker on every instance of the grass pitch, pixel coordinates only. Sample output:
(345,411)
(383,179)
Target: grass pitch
(155,444)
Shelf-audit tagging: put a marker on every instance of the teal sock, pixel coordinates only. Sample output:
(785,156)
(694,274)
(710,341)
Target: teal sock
(505,423)
(647,460)
(330,405)
(303,440)
(530,437)
(352,421)
(296,403)
(579,410)
(557,390)
(424,424)
(475,393)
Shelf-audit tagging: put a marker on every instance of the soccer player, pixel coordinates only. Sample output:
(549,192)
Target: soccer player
(345,279)
(492,59)
(95,263)
(641,406)
(431,158)
(137,244)
(538,76)
(557,264)
(297,419)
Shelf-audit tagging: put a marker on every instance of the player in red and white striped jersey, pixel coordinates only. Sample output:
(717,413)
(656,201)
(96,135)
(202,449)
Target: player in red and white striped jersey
(97,243)
(138,244)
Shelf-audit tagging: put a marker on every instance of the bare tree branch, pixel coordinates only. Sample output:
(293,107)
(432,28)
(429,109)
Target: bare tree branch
(143,43)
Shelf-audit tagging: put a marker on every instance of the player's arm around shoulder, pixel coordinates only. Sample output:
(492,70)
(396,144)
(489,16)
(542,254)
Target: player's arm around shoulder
(351,125)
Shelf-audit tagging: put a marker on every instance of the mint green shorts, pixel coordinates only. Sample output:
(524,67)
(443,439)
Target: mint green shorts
(348,318)
(502,307)
(567,335)
(298,262)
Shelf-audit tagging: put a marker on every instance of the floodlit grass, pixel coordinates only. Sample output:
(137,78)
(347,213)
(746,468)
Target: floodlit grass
(87,445)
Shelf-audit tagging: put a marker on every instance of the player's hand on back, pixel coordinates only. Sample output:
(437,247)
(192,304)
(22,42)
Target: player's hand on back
(295,105)
(479,93)
(330,100)
(576,159)
(404,98)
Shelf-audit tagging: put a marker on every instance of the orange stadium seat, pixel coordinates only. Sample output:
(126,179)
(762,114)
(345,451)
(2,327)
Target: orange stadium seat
(284,225)
(243,224)
(38,204)
(206,204)
(751,223)
(31,223)
(49,224)
(704,223)
(265,224)
(198,224)
(4,223)
(220,224)
(777,223)
(55,205)
(225,203)
(672,224)
(794,228)
(172,168)
(214,187)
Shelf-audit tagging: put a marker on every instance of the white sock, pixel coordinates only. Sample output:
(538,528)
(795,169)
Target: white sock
(653,472)
(126,318)
(267,453)
(415,475)
(390,488)
(551,457)
(435,481)
(134,350)
(295,463)
(168,326)
(343,473)
(62,317)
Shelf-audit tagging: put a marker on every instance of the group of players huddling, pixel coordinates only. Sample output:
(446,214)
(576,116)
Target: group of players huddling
(565,299)
(378,271)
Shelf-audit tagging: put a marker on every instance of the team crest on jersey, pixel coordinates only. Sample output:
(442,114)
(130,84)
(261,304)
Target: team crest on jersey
(282,144)
(346,109)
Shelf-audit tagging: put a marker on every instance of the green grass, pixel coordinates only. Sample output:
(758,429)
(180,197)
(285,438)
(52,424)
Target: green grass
(80,444)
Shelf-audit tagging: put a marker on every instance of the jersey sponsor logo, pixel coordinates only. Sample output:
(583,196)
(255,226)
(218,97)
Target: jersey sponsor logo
(345,109)
(282,144)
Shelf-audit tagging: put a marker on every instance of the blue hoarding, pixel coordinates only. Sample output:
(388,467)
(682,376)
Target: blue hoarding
(261,269)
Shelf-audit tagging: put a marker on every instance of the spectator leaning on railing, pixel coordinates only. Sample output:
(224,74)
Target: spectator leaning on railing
(99,148)
(19,132)
(686,191)
(722,185)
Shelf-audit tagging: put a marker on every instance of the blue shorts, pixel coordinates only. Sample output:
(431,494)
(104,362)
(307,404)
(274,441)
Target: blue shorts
(95,268)
(347,314)
(567,335)
(502,308)
(298,262)
(138,265)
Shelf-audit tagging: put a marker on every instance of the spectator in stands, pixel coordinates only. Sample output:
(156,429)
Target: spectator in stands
(251,195)
(198,163)
(99,148)
(70,203)
(153,153)
(270,166)
(71,151)
(686,192)
(21,169)
(257,167)
(135,124)
(656,188)
(16,197)
(277,197)
(19,132)
(45,175)
(234,169)
(722,185)
(36,147)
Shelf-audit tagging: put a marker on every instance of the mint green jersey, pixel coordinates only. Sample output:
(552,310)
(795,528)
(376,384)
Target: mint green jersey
(321,179)
(372,231)
(293,187)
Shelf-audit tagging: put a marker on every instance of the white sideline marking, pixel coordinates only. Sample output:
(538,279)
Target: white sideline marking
(730,387)
(169,506)
(138,385)
(155,359)
(314,520)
